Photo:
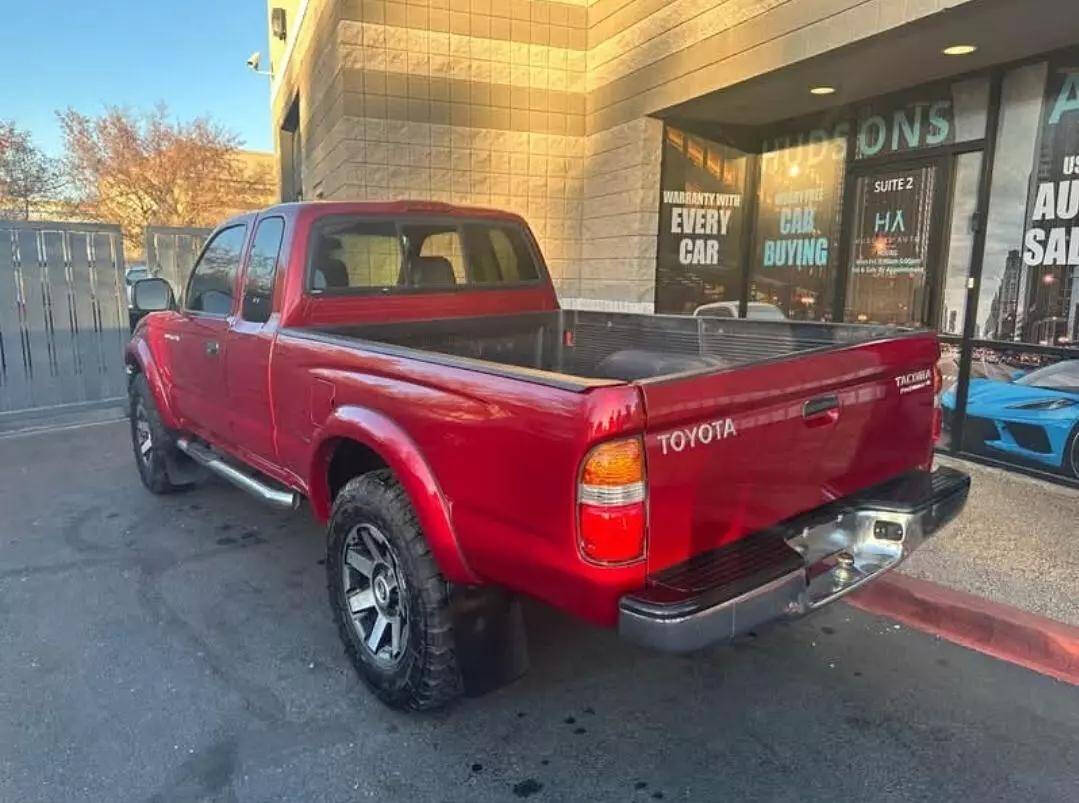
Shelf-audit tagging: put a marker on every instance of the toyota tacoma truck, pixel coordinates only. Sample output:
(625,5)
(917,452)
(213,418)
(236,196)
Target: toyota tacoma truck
(405,368)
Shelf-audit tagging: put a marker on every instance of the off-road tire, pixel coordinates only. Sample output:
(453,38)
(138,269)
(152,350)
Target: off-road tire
(426,675)
(153,468)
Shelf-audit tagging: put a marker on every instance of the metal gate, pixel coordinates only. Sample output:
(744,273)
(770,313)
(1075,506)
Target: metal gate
(171,253)
(63,314)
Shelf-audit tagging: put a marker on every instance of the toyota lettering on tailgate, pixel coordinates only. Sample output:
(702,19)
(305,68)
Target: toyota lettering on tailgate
(700,435)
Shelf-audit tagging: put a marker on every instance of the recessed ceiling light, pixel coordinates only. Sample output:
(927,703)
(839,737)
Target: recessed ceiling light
(959,50)
(822,90)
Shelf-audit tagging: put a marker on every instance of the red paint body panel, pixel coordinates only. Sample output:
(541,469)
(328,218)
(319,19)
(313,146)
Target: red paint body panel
(491,462)
(777,464)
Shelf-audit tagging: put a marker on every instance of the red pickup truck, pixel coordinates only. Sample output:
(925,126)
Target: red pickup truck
(405,368)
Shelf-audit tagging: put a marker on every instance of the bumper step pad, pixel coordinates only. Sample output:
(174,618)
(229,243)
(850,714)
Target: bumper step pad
(794,567)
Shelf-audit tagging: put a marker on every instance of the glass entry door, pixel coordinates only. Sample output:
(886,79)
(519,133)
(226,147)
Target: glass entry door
(894,262)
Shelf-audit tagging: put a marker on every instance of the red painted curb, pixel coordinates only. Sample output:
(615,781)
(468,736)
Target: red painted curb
(1044,645)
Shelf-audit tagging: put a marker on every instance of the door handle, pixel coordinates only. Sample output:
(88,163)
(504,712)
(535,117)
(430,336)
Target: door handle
(212,348)
(821,410)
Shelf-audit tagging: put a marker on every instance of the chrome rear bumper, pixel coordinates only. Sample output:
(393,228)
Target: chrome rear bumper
(794,568)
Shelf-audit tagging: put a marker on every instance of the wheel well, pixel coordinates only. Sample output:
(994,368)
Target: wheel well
(350,459)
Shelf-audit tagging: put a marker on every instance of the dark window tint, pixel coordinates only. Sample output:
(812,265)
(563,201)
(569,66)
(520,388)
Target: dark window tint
(261,269)
(499,254)
(212,280)
(350,253)
(1062,376)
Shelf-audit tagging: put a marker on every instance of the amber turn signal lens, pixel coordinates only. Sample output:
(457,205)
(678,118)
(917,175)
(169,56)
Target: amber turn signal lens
(615,463)
(611,498)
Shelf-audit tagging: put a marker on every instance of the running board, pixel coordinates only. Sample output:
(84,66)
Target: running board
(260,490)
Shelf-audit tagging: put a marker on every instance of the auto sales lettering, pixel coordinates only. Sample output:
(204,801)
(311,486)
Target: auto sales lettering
(1052,235)
(703,218)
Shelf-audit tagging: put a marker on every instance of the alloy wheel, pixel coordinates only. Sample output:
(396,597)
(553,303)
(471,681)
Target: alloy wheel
(143,434)
(375,593)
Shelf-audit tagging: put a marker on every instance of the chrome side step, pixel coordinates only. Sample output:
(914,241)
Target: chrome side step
(260,490)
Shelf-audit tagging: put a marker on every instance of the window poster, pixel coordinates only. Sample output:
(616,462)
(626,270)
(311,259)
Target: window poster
(892,222)
(701,223)
(1051,236)
(798,222)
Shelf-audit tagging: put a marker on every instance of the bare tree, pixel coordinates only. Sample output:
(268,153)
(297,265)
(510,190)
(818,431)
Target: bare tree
(140,169)
(28,178)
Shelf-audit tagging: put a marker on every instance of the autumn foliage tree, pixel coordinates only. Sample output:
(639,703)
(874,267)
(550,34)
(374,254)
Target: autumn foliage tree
(28,178)
(141,169)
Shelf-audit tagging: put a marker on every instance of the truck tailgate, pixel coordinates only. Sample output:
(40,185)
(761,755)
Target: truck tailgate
(730,452)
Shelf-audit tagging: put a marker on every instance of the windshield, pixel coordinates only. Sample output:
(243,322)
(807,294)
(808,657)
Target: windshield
(1061,376)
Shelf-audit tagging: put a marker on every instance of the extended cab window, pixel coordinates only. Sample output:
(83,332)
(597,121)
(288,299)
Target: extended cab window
(353,254)
(261,270)
(210,287)
(349,254)
(499,254)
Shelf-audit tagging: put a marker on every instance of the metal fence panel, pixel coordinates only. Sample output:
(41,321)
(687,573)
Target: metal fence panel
(63,314)
(171,253)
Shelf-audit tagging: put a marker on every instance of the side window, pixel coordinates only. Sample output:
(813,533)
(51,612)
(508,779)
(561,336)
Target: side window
(499,254)
(210,287)
(261,270)
(355,254)
(435,257)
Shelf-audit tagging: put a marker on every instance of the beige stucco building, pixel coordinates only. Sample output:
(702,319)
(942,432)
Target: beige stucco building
(556,110)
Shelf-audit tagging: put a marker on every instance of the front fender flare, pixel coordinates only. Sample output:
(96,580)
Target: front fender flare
(140,357)
(380,434)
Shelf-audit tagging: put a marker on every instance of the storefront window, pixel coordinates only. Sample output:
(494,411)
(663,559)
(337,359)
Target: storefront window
(798,223)
(701,224)
(1029,289)
(891,247)
(999,307)
(953,306)
(939,114)
(1022,407)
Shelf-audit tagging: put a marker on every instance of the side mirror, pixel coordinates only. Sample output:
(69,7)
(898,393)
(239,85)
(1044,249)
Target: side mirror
(151,295)
(1018,375)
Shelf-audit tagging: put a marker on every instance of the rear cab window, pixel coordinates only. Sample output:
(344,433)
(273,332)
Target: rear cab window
(357,254)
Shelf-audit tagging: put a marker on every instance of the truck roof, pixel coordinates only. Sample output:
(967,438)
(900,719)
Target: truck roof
(386,208)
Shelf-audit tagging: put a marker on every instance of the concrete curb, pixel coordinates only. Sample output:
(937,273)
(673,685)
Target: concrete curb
(1040,644)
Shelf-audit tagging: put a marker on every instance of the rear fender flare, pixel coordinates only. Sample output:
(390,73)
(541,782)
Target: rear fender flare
(403,457)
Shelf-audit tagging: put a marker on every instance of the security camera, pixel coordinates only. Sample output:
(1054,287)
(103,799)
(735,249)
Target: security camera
(254,60)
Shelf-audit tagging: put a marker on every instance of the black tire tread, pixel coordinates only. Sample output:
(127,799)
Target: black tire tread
(1069,447)
(432,679)
(156,479)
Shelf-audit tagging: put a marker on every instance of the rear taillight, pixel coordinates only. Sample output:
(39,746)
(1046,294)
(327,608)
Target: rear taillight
(938,412)
(611,499)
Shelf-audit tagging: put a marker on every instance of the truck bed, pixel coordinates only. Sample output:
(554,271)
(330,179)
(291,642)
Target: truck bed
(578,349)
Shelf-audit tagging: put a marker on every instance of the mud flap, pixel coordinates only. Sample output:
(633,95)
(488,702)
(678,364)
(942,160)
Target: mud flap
(181,469)
(490,638)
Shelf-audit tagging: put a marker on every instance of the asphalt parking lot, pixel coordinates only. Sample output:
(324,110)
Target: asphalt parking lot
(180,648)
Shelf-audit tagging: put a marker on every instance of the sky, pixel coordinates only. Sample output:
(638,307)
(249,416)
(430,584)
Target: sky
(190,54)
